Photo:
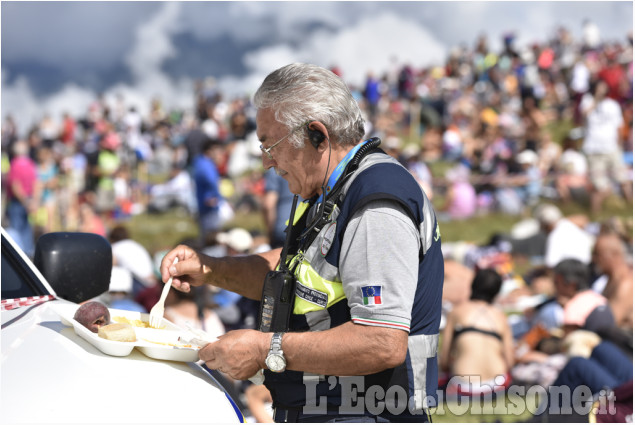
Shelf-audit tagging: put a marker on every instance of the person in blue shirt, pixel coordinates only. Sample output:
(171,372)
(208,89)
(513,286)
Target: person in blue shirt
(276,207)
(207,181)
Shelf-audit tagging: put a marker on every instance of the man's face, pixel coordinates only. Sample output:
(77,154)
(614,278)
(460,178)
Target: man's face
(299,167)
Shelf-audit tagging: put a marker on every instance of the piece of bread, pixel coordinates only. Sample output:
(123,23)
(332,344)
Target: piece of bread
(118,332)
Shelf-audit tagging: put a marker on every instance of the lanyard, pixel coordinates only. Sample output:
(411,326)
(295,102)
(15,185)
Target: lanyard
(337,172)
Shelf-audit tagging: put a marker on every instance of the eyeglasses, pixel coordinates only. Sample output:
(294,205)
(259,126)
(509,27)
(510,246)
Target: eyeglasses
(267,151)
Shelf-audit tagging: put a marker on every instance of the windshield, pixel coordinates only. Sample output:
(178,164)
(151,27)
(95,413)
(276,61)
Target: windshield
(18,280)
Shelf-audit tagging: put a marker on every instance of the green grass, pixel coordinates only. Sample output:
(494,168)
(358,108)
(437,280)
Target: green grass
(162,231)
(453,412)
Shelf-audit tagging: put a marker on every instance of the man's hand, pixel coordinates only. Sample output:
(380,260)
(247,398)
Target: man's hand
(239,354)
(189,271)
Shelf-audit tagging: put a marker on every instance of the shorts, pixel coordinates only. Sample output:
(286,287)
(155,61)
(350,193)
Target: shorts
(604,168)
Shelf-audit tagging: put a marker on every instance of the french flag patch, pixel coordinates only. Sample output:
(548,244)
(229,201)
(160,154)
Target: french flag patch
(371,295)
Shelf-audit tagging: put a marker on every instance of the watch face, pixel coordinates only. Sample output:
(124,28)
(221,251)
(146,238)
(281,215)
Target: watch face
(276,363)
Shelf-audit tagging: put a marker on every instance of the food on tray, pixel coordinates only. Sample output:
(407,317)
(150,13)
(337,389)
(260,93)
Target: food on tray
(134,322)
(93,315)
(171,344)
(118,332)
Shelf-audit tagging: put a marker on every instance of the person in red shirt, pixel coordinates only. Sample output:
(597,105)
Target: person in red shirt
(68,130)
(21,180)
(613,74)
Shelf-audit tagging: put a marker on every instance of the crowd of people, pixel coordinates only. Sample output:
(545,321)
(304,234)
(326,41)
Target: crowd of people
(488,116)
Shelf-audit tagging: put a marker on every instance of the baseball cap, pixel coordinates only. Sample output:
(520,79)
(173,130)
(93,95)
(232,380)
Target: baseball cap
(120,280)
(238,239)
(527,157)
(547,214)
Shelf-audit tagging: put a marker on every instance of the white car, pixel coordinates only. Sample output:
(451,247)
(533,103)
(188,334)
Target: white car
(49,374)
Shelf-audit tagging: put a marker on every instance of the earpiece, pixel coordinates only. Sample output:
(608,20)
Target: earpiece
(315,136)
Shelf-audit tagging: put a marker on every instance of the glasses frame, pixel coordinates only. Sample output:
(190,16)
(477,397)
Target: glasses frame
(267,151)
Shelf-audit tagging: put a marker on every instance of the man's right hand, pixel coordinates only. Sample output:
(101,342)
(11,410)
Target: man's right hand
(191,269)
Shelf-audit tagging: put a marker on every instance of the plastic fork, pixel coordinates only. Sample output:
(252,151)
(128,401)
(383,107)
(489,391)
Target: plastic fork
(156,314)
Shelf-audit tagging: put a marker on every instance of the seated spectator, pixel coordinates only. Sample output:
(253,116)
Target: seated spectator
(120,291)
(192,309)
(175,192)
(549,153)
(528,180)
(590,311)
(233,309)
(132,256)
(610,259)
(460,201)
(600,366)
(566,236)
(418,168)
(572,171)
(259,403)
(477,340)
(570,277)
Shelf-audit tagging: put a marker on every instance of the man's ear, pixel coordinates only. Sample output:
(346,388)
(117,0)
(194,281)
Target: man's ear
(317,133)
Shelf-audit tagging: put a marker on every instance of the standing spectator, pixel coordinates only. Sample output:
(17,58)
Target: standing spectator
(48,131)
(207,181)
(372,93)
(21,181)
(579,85)
(67,135)
(108,163)
(613,75)
(132,123)
(9,136)
(276,207)
(601,144)
(46,189)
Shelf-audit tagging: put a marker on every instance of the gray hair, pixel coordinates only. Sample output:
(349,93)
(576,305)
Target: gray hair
(299,93)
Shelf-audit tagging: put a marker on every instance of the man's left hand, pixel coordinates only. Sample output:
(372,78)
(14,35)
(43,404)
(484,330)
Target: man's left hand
(239,354)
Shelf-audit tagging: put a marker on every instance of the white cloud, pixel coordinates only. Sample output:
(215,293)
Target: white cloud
(356,36)
(374,43)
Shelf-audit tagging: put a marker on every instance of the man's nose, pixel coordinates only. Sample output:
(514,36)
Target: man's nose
(267,163)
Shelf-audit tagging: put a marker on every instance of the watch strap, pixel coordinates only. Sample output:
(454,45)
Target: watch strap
(276,343)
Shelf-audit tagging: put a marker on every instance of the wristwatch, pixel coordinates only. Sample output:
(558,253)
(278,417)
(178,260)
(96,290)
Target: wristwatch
(275,360)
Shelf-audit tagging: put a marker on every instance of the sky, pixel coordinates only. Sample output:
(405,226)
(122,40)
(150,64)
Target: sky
(58,56)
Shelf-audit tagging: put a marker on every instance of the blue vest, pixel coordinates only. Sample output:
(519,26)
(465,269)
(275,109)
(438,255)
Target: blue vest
(379,177)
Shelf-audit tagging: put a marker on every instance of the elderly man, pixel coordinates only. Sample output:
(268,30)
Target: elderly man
(365,259)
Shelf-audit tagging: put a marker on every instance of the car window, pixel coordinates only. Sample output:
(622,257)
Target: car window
(18,280)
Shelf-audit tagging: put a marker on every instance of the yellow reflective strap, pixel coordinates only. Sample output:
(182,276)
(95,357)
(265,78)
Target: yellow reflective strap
(311,279)
(299,212)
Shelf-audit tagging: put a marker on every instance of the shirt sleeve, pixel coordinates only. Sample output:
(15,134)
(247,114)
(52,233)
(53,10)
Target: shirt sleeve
(379,265)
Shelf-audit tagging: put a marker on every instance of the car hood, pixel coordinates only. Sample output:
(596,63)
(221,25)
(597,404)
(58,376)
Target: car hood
(50,374)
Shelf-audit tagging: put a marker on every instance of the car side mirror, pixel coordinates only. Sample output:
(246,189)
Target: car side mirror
(76,265)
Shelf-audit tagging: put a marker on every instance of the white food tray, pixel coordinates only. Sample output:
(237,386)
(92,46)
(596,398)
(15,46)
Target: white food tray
(151,342)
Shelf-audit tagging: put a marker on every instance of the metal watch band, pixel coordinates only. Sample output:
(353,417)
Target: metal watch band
(276,343)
